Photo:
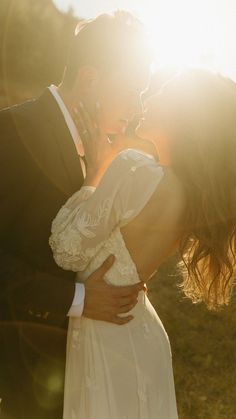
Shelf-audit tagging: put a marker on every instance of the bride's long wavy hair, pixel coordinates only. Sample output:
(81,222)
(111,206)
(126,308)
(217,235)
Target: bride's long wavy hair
(198,109)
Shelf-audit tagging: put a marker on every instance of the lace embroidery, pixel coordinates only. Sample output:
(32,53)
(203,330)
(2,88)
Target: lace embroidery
(128,214)
(66,240)
(62,218)
(86,220)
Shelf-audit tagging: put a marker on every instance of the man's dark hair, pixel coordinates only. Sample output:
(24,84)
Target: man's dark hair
(108,42)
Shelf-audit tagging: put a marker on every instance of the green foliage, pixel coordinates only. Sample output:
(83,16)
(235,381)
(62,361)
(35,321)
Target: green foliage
(203,348)
(34,42)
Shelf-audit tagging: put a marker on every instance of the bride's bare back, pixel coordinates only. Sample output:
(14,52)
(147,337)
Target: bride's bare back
(153,235)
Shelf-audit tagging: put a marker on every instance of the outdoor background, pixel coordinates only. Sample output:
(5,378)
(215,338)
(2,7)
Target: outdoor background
(34,36)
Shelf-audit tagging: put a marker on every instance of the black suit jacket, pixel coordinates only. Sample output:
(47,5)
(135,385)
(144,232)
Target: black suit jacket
(39,170)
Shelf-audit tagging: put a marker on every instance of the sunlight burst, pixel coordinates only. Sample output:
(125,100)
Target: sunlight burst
(182,34)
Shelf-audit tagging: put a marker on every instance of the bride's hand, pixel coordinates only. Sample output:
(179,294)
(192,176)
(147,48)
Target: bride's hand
(97,147)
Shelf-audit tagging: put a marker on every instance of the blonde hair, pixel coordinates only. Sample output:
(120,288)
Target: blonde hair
(198,109)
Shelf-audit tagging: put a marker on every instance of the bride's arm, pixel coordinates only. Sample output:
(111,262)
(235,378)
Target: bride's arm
(86,220)
(80,228)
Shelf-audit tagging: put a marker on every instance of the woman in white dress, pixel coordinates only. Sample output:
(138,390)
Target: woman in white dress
(138,213)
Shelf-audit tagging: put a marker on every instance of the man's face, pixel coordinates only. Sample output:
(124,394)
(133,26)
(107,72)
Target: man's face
(119,98)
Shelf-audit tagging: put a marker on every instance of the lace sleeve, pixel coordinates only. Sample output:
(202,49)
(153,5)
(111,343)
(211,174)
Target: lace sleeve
(64,241)
(89,216)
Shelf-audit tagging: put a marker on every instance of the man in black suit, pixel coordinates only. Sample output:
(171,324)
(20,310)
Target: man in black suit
(42,164)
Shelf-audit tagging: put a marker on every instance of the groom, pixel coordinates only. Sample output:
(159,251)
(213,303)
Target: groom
(42,164)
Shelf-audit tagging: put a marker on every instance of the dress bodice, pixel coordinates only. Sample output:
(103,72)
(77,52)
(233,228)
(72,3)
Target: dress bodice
(123,271)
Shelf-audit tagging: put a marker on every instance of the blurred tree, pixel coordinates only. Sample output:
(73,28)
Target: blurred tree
(34,40)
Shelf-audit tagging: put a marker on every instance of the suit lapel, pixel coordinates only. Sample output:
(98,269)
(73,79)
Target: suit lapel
(53,148)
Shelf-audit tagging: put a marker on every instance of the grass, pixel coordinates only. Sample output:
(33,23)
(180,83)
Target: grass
(203,348)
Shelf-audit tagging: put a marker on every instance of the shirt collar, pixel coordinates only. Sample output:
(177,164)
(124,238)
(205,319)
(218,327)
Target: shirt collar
(69,121)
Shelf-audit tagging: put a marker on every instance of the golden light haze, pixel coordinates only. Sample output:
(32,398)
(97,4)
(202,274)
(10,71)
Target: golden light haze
(183,32)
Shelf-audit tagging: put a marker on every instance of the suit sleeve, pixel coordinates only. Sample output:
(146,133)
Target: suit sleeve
(28,291)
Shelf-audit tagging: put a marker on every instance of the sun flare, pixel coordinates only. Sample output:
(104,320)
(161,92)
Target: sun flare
(185,33)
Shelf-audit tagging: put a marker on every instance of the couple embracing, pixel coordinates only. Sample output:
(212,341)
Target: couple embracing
(112,212)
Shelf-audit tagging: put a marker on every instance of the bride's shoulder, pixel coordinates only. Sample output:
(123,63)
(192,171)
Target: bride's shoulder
(135,155)
(135,164)
(130,158)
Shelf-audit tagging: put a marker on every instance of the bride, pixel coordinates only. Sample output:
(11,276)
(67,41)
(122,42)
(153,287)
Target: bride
(141,211)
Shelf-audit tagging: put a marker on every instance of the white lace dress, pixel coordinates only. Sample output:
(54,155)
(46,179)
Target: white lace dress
(113,372)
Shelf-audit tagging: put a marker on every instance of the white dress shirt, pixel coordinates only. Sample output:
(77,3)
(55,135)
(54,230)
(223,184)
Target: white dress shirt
(77,307)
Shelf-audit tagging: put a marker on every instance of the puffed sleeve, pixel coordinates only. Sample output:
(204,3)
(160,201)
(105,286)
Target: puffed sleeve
(90,215)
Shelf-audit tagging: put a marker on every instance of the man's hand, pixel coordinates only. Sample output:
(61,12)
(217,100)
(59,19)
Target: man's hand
(104,301)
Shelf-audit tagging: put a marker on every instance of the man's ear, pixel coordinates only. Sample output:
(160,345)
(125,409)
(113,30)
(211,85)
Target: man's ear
(87,78)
